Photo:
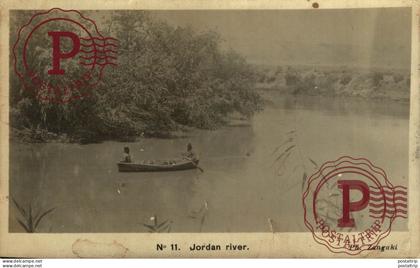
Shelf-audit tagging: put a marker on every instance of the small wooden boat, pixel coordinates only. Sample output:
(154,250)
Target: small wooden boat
(159,165)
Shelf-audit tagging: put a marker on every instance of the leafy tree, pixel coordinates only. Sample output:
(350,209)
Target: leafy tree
(167,77)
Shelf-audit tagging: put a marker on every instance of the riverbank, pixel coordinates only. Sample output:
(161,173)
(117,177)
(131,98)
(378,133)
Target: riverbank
(43,136)
(237,160)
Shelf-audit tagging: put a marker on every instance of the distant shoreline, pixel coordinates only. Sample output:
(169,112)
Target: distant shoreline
(42,136)
(314,81)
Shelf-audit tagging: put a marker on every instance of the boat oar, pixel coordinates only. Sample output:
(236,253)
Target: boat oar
(192,161)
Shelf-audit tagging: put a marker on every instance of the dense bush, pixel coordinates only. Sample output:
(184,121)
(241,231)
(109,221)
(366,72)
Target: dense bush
(377,78)
(167,77)
(292,77)
(398,78)
(346,79)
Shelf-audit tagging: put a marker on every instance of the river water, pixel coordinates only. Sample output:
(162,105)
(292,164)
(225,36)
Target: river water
(242,189)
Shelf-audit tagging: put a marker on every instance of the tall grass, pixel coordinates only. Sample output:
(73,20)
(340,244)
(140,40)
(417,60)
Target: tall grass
(288,150)
(290,154)
(200,214)
(29,219)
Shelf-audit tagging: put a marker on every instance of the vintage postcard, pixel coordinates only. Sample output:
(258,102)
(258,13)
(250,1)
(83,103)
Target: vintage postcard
(209,129)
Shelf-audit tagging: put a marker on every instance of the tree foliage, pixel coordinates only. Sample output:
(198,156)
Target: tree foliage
(167,77)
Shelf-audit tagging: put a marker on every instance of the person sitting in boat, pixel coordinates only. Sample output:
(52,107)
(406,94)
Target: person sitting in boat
(126,155)
(190,155)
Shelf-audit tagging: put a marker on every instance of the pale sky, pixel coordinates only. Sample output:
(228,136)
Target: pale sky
(353,37)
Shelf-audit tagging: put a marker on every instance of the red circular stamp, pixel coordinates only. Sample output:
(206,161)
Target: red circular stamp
(60,55)
(350,205)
